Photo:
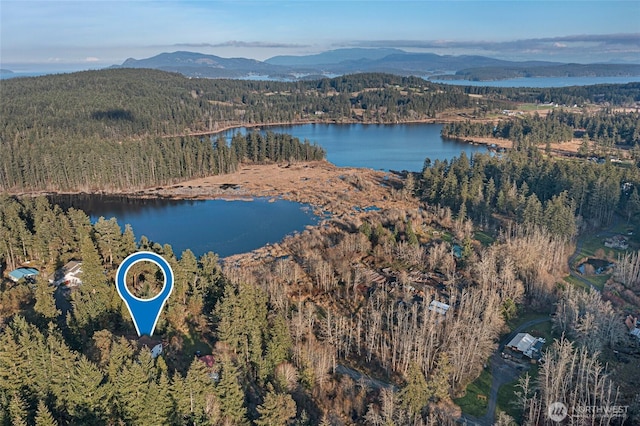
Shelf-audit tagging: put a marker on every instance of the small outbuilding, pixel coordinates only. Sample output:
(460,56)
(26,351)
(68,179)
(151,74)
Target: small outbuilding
(439,307)
(156,351)
(20,273)
(618,242)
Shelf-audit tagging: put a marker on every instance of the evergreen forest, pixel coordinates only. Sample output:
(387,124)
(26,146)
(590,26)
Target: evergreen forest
(131,128)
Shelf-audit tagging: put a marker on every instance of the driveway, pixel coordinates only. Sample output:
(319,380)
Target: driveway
(502,372)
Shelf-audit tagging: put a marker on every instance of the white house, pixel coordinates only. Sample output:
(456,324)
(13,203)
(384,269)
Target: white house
(68,275)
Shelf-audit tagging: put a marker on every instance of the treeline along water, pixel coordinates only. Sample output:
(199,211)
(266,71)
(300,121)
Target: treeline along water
(113,165)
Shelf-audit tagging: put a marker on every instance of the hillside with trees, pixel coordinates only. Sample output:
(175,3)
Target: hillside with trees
(72,132)
(559,195)
(599,132)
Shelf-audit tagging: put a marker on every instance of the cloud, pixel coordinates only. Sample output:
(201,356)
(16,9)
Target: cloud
(248,44)
(91,59)
(577,46)
(632,40)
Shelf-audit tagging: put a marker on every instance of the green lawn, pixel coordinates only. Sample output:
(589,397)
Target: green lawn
(534,107)
(470,403)
(507,397)
(542,330)
(484,238)
(575,282)
(528,316)
(591,244)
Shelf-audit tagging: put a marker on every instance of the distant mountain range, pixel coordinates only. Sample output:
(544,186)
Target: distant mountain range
(357,60)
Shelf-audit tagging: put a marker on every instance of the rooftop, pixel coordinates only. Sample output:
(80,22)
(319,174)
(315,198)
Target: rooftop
(18,274)
(438,307)
(68,274)
(527,344)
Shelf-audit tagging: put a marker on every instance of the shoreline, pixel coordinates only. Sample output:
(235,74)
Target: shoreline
(564,149)
(343,191)
(445,117)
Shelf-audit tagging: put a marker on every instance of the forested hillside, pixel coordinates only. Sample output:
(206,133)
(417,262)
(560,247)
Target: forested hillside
(558,195)
(118,129)
(605,129)
(80,131)
(113,129)
(109,165)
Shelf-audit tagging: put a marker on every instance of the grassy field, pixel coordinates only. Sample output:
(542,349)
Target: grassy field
(534,107)
(576,282)
(484,238)
(528,316)
(592,246)
(470,403)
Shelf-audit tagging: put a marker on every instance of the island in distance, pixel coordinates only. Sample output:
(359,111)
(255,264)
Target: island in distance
(359,60)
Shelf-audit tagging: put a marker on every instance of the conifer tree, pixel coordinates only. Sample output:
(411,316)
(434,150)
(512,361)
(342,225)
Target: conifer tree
(127,243)
(87,394)
(108,235)
(276,409)
(44,416)
(132,387)
(439,384)
(279,345)
(415,395)
(45,303)
(12,365)
(18,410)
(80,224)
(230,394)
(94,298)
(159,403)
(196,394)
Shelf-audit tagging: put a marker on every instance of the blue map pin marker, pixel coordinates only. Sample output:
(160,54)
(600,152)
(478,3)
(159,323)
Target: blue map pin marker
(144,312)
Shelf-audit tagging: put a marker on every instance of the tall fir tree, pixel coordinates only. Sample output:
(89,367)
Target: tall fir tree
(45,303)
(44,416)
(276,410)
(415,395)
(230,395)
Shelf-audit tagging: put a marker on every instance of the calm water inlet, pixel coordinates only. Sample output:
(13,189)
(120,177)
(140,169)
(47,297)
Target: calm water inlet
(224,227)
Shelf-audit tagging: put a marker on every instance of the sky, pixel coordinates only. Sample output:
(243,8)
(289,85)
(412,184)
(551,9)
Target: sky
(88,34)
